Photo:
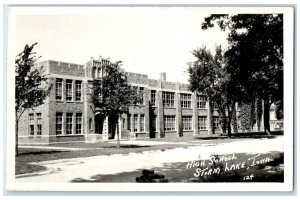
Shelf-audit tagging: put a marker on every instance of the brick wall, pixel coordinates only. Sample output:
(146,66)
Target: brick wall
(168,85)
(68,69)
(136,78)
(83,72)
(24,131)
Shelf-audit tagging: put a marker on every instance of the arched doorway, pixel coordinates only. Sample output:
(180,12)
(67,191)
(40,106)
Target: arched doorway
(112,126)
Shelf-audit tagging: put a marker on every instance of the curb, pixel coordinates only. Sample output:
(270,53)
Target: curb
(49,171)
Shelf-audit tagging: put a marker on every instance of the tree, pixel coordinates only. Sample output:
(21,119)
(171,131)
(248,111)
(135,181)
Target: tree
(112,95)
(258,112)
(203,76)
(227,90)
(31,87)
(255,55)
(208,75)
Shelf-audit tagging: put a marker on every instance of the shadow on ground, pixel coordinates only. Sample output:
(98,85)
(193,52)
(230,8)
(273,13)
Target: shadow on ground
(127,146)
(254,135)
(39,152)
(260,168)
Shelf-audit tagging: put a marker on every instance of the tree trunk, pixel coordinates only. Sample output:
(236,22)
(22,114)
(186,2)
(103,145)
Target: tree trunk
(229,111)
(211,111)
(258,113)
(118,133)
(267,116)
(223,122)
(229,128)
(234,120)
(209,117)
(16,134)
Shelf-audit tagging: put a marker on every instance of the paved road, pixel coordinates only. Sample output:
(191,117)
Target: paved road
(68,170)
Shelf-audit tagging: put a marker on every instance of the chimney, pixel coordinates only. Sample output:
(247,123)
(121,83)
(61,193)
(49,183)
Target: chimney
(163,76)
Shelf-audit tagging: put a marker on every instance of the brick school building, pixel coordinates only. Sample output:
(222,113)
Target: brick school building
(169,109)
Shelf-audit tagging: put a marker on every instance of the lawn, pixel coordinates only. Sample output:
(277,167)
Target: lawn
(27,155)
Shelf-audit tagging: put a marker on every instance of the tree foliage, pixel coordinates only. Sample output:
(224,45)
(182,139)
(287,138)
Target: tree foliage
(31,86)
(112,95)
(209,76)
(255,54)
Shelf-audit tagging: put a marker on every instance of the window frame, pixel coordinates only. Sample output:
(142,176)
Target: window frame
(59,89)
(78,125)
(216,124)
(39,123)
(187,121)
(59,114)
(69,124)
(69,91)
(169,123)
(142,93)
(186,100)
(135,123)
(78,91)
(201,99)
(31,124)
(200,126)
(153,97)
(142,123)
(168,99)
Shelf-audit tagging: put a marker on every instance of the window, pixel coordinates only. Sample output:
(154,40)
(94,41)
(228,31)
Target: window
(153,123)
(58,89)
(168,99)
(39,123)
(141,92)
(59,117)
(135,123)
(187,123)
(201,102)
(78,123)
(202,122)
(216,123)
(153,97)
(78,91)
(69,123)
(169,123)
(129,122)
(186,100)
(31,124)
(142,123)
(69,90)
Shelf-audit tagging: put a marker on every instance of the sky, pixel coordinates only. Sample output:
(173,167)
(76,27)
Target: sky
(147,40)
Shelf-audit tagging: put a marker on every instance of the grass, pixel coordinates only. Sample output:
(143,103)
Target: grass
(24,168)
(28,155)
